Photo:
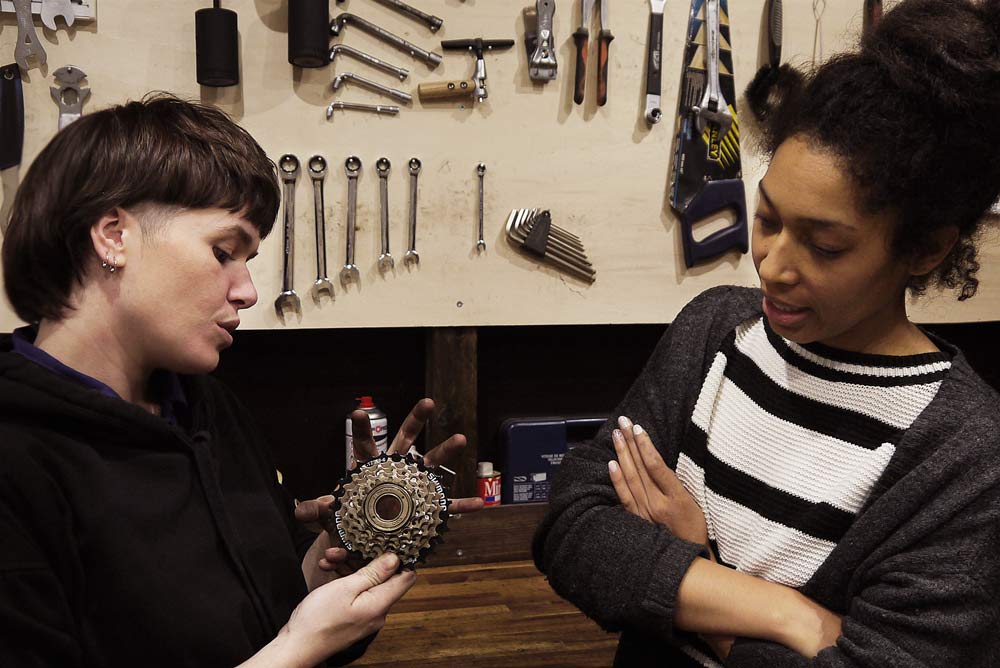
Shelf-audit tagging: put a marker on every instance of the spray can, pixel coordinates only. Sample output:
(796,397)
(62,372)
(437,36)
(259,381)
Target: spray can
(488,484)
(380,429)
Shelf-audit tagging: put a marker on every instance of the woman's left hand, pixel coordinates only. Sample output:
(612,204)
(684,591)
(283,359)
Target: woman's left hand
(647,487)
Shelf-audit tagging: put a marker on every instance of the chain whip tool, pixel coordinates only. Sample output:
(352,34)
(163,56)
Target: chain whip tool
(432,22)
(338,24)
(288,166)
(411,257)
(481,243)
(382,167)
(323,285)
(350,271)
(654,62)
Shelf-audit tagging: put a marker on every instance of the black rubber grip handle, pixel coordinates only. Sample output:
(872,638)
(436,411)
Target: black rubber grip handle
(714,197)
(582,39)
(654,54)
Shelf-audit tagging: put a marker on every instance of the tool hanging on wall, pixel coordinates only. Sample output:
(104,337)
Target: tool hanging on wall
(350,273)
(707,174)
(378,109)
(28,46)
(872,15)
(481,242)
(819,8)
(432,22)
(533,231)
(539,40)
(340,79)
(344,19)
(69,95)
(582,39)
(288,300)
(11,116)
(456,90)
(308,34)
(217,50)
(758,93)
(411,257)
(51,9)
(338,49)
(382,168)
(654,62)
(322,285)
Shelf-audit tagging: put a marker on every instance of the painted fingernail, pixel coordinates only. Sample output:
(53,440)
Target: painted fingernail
(636,429)
(624,423)
(616,435)
(613,466)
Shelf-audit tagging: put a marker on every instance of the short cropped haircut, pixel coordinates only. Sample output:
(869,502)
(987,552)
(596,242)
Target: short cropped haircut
(912,116)
(158,151)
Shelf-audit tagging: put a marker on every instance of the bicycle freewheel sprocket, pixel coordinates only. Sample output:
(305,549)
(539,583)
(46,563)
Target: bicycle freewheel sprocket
(391,504)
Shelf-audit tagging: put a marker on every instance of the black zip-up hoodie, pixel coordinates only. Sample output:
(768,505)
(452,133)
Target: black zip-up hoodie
(125,541)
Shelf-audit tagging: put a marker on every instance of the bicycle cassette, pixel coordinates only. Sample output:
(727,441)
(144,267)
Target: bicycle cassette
(391,504)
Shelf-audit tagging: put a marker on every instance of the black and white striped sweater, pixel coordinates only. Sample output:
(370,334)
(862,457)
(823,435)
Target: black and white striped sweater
(904,504)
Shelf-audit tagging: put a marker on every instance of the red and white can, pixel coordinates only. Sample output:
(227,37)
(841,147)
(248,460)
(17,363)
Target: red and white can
(488,484)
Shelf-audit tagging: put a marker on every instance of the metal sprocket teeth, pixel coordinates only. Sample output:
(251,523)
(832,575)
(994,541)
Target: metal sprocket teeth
(391,504)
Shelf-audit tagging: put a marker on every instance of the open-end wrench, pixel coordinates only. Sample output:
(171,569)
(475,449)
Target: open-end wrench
(323,285)
(432,22)
(713,107)
(350,271)
(654,61)
(341,20)
(53,8)
(288,166)
(27,39)
(338,49)
(481,243)
(371,85)
(382,167)
(411,256)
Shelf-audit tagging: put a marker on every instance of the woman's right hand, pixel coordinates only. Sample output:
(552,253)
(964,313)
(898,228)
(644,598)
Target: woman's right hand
(336,615)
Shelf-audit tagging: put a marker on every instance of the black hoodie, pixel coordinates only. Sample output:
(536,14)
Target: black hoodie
(125,541)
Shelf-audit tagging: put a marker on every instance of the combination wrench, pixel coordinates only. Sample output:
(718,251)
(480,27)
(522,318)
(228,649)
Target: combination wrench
(411,257)
(481,243)
(382,167)
(713,107)
(288,165)
(322,285)
(350,271)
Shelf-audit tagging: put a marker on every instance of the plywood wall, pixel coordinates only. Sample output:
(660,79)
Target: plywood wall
(601,170)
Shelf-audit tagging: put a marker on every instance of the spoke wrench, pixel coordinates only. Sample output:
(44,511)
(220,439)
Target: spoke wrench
(411,257)
(350,271)
(322,285)
(382,166)
(288,166)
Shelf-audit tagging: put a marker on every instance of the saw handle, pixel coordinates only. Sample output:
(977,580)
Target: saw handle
(582,40)
(445,90)
(604,44)
(713,197)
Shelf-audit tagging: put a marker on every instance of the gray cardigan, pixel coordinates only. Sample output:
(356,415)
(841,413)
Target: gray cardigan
(915,577)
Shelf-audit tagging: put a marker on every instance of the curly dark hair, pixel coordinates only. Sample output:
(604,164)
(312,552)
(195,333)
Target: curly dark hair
(158,151)
(912,116)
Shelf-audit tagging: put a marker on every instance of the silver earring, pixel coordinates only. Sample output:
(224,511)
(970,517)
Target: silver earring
(107,259)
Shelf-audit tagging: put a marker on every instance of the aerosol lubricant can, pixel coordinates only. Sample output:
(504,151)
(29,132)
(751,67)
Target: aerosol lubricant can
(380,429)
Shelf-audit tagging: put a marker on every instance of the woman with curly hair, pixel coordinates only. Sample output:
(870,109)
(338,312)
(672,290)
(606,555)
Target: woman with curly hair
(814,481)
